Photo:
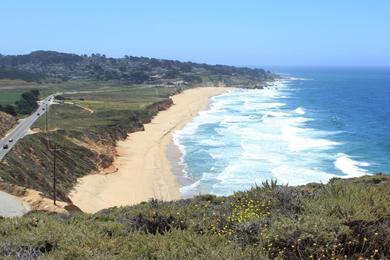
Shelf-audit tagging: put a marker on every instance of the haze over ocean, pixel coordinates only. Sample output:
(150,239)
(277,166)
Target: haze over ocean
(314,125)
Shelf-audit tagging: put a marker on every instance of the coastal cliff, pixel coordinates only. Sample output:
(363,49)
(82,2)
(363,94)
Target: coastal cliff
(29,164)
(143,169)
(104,100)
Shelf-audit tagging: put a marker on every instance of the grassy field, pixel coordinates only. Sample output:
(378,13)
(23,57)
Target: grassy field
(120,98)
(100,97)
(12,83)
(345,219)
(85,128)
(9,97)
(83,111)
(10,90)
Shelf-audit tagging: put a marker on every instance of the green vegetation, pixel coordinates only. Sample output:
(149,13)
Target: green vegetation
(54,67)
(12,90)
(104,99)
(32,151)
(85,129)
(9,97)
(9,83)
(27,103)
(12,73)
(9,109)
(345,219)
(53,72)
(92,110)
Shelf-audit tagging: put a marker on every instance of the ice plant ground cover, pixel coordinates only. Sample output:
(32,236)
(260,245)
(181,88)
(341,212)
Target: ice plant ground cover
(346,218)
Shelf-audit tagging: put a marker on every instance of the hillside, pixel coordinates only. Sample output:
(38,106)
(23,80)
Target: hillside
(51,66)
(344,219)
(6,123)
(86,140)
(105,98)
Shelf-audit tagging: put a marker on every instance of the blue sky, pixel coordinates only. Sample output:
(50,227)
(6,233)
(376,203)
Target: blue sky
(253,33)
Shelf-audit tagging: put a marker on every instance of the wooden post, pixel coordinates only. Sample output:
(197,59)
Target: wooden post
(54,175)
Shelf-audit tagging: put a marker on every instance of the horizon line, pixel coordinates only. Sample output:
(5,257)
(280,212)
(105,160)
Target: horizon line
(257,66)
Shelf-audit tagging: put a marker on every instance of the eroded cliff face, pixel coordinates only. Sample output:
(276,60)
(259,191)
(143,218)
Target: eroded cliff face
(7,122)
(30,163)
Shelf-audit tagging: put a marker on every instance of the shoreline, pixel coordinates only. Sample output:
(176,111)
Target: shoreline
(144,169)
(174,155)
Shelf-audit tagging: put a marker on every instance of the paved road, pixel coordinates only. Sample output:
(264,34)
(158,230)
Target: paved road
(10,206)
(22,128)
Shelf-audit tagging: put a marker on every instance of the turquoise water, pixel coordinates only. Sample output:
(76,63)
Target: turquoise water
(313,125)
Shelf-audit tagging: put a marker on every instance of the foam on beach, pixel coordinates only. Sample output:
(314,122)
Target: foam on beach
(249,135)
(147,173)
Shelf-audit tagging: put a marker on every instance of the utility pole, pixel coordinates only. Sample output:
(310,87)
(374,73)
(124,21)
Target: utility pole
(53,150)
(54,174)
(46,115)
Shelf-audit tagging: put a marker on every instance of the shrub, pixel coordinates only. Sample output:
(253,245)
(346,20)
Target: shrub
(156,224)
(343,219)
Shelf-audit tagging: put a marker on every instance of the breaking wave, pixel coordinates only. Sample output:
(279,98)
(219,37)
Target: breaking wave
(249,136)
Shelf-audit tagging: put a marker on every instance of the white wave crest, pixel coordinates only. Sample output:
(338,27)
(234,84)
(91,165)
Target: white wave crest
(190,190)
(262,105)
(350,167)
(292,175)
(299,111)
(300,139)
(253,135)
(297,78)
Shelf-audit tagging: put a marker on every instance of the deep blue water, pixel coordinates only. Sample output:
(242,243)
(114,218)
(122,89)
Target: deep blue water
(313,125)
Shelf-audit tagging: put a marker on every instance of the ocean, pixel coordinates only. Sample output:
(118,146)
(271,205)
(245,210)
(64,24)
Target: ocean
(311,126)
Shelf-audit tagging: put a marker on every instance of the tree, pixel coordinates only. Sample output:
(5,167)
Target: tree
(28,102)
(138,77)
(59,97)
(35,92)
(171,74)
(10,109)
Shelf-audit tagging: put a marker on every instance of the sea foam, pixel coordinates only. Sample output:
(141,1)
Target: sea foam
(300,111)
(249,136)
(350,167)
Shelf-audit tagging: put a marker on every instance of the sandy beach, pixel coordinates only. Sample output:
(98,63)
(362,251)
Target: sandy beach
(144,171)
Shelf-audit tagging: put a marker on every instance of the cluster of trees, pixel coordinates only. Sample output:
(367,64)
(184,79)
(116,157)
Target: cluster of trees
(40,57)
(12,73)
(9,109)
(27,103)
(59,97)
(133,70)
